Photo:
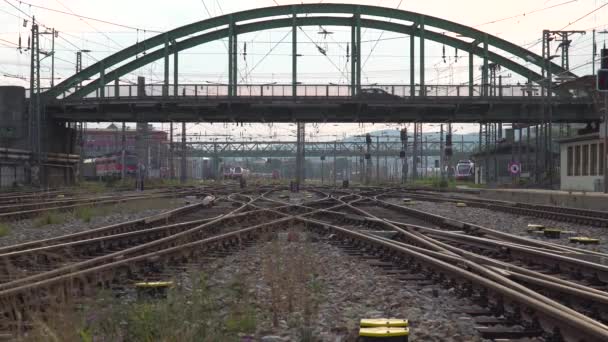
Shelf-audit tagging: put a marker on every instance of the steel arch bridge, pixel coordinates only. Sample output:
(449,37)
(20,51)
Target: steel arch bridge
(99,100)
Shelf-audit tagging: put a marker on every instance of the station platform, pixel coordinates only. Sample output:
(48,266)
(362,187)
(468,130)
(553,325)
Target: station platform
(573,199)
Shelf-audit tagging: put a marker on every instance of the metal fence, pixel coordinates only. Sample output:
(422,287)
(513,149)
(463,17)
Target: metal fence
(330,90)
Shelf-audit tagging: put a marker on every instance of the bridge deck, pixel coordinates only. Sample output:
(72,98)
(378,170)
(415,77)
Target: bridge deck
(323,109)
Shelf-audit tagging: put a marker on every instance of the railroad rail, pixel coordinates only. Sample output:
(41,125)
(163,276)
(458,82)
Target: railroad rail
(572,215)
(519,279)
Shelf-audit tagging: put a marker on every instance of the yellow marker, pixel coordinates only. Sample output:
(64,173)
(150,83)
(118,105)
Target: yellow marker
(383,322)
(383,332)
(461,205)
(584,240)
(535,226)
(154,284)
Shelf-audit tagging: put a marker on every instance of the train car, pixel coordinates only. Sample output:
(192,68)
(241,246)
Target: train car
(236,172)
(109,166)
(465,170)
(240,172)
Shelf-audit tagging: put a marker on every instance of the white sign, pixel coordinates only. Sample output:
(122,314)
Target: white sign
(514,168)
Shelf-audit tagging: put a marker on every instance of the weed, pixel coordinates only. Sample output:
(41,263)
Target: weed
(84,213)
(187,314)
(50,217)
(4,229)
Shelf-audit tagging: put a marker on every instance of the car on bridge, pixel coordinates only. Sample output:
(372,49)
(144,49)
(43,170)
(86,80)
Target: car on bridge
(376,94)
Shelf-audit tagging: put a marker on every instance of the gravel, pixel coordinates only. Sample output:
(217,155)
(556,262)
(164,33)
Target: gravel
(514,224)
(348,289)
(30,230)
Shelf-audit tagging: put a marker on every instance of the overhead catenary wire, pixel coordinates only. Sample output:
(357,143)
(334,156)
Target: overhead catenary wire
(82,16)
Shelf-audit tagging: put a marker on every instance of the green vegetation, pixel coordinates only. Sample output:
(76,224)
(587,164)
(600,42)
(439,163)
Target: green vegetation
(48,218)
(227,307)
(196,312)
(86,213)
(4,229)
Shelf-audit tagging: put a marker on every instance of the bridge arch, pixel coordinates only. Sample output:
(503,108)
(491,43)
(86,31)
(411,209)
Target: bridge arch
(228,26)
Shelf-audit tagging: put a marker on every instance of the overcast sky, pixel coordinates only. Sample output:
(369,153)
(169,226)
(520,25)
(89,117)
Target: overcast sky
(519,21)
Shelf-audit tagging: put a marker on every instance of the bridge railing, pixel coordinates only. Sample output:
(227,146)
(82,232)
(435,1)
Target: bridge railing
(386,92)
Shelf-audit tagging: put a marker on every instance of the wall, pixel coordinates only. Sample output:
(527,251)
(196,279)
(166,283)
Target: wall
(583,200)
(576,183)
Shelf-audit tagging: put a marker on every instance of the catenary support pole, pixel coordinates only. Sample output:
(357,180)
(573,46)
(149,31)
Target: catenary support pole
(184,164)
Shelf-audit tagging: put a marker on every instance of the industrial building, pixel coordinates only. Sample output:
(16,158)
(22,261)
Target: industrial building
(582,163)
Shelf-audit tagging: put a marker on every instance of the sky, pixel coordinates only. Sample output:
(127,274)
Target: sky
(386,55)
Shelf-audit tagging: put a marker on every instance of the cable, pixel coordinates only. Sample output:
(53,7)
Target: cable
(86,22)
(525,14)
(261,60)
(80,16)
(584,16)
(332,62)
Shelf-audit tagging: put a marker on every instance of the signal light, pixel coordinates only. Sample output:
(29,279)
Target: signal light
(602,80)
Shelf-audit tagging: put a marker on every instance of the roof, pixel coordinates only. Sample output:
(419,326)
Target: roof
(505,148)
(584,137)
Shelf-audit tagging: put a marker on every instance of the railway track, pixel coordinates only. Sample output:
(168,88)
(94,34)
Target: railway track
(28,210)
(571,215)
(521,282)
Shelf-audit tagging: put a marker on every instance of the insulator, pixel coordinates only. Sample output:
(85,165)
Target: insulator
(444,61)
(448,140)
(456,55)
(402,154)
(322,158)
(29,41)
(368,139)
(24,23)
(19,42)
(368,156)
(448,151)
(347,51)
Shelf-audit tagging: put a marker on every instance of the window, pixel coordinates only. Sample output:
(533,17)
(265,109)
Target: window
(593,164)
(602,159)
(585,160)
(577,160)
(570,161)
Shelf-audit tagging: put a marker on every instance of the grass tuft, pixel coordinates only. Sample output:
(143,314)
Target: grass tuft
(4,229)
(50,217)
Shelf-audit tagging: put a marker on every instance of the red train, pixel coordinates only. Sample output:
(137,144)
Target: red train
(109,166)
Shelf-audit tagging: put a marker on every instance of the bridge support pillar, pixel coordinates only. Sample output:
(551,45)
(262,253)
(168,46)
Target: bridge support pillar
(422,81)
(232,59)
(294,57)
(355,60)
(300,153)
(412,66)
(166,65)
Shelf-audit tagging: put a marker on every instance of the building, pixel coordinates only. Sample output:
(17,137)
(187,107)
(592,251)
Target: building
(582,163)
(492,166)
(151,146)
